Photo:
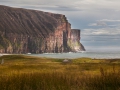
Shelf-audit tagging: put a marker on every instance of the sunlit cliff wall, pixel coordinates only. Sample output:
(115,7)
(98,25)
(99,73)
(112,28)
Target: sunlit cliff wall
(24,31)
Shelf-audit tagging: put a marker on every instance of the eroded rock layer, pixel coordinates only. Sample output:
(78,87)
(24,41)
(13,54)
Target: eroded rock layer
(31,31)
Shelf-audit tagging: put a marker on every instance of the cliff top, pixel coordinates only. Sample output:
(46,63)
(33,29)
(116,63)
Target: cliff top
(30,22)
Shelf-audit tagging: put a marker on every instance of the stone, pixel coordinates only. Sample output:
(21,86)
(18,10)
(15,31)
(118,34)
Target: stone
(66,61)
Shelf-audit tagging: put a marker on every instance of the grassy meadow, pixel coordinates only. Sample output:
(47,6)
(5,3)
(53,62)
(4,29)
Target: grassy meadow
(19,72)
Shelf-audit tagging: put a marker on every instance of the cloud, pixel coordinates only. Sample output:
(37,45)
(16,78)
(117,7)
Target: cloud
(101,31)
(95,42)
(60,8)
(109,20)
(41,2)
(106,23)
(113,25)
(99,23)
(82,4)
(52,7)
(100,38)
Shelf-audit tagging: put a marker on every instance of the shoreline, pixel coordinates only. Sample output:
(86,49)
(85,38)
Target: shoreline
(37,56)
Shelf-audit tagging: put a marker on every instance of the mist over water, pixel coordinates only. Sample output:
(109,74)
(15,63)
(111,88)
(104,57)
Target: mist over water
(89,54)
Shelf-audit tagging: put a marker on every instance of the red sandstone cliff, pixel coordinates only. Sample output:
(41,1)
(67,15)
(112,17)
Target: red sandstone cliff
(23,31)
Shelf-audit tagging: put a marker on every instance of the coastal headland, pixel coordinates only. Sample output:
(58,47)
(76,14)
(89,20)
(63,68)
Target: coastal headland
(32,31)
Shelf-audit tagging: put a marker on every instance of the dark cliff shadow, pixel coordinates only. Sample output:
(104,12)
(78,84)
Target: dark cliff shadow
(56,48)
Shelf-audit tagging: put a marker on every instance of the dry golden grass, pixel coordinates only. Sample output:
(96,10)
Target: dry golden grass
(21,72)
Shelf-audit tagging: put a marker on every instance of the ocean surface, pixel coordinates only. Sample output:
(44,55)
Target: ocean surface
(89,54)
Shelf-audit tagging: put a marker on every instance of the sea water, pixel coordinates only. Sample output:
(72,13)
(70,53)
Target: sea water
(89,54)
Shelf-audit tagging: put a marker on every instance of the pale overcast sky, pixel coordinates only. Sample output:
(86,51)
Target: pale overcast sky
(99,20)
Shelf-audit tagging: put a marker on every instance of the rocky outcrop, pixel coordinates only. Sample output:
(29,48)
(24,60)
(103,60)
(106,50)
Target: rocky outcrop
(24,31)
(74,41)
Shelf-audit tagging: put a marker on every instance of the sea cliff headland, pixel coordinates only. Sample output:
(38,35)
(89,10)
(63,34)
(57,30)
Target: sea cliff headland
(32,31)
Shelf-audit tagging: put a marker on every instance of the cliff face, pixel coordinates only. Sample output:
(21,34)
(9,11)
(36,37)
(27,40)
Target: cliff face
(23,31)
(74,41)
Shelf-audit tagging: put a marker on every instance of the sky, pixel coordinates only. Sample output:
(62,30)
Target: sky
(98,20)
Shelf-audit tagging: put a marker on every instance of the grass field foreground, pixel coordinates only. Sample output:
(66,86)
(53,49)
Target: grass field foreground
(19,72)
